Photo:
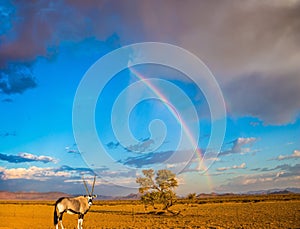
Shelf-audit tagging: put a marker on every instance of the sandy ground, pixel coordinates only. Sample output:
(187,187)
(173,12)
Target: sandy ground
(267,214)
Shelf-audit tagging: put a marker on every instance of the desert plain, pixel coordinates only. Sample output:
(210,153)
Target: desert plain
(262,211)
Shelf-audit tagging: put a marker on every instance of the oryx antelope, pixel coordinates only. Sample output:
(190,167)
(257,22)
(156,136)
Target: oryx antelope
(74,205)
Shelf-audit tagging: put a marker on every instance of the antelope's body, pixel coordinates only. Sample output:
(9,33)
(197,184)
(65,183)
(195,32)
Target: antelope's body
(73,205)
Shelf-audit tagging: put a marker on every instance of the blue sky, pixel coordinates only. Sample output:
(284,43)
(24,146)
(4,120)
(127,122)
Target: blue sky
(251,48)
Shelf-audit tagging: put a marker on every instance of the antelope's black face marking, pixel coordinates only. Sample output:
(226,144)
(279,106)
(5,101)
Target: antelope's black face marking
(90,199)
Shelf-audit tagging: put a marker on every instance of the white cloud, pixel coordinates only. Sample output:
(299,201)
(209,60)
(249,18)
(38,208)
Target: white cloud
(26,157)
(41,173)
(33,172)
(241,166)
(41,158)
(295,154)
(238,146)
(286,176)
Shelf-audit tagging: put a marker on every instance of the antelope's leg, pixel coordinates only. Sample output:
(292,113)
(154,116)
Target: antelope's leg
(80,221)
(61,224)
(60,220)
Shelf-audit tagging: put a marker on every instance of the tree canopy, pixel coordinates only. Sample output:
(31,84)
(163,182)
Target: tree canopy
(158,188)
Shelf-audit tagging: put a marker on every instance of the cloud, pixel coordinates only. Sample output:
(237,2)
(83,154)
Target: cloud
(72,149)
(50,185)
(6,12)
(65,174)
(107,175)
(257,71)
(171,159)
(196,164)
(28,42)
(148,159)
(288,170)
(32,172)
(287,176)
(294,155)
(121,178)
(41,179)
(230,37)
(62,184)
(46,25)
(238,146)
(112,145)
(43,173)
(7,100)
(278,167)
(241,166)
(26,157)
(66,168)
(8,134)
(140,147)
(16,79)
(44,159)
(254,124)
(276,99)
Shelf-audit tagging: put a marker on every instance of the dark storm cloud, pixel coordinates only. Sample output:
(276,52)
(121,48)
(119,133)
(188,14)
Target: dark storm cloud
(35,29)
(37,26)
(250,46)
(26,157)
(274,99)
(29,32)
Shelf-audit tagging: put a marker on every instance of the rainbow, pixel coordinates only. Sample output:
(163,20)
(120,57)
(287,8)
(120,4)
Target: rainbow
(171,108)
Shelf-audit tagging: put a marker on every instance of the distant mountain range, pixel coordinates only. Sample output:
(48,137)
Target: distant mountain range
(4,195)
(131,196)
(275,191)
(31,195)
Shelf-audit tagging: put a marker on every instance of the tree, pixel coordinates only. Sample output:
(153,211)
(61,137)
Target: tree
(191,196)
(158,189)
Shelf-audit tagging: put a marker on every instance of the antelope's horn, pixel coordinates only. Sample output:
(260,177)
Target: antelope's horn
(86,188)
(93,185)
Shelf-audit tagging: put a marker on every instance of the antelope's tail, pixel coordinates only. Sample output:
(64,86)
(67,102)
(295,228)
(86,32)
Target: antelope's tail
(55,217)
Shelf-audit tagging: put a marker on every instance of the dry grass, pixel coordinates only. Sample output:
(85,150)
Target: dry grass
(219,212)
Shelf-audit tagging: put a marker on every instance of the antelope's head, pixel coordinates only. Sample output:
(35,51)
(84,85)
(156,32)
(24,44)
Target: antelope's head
(90,195)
